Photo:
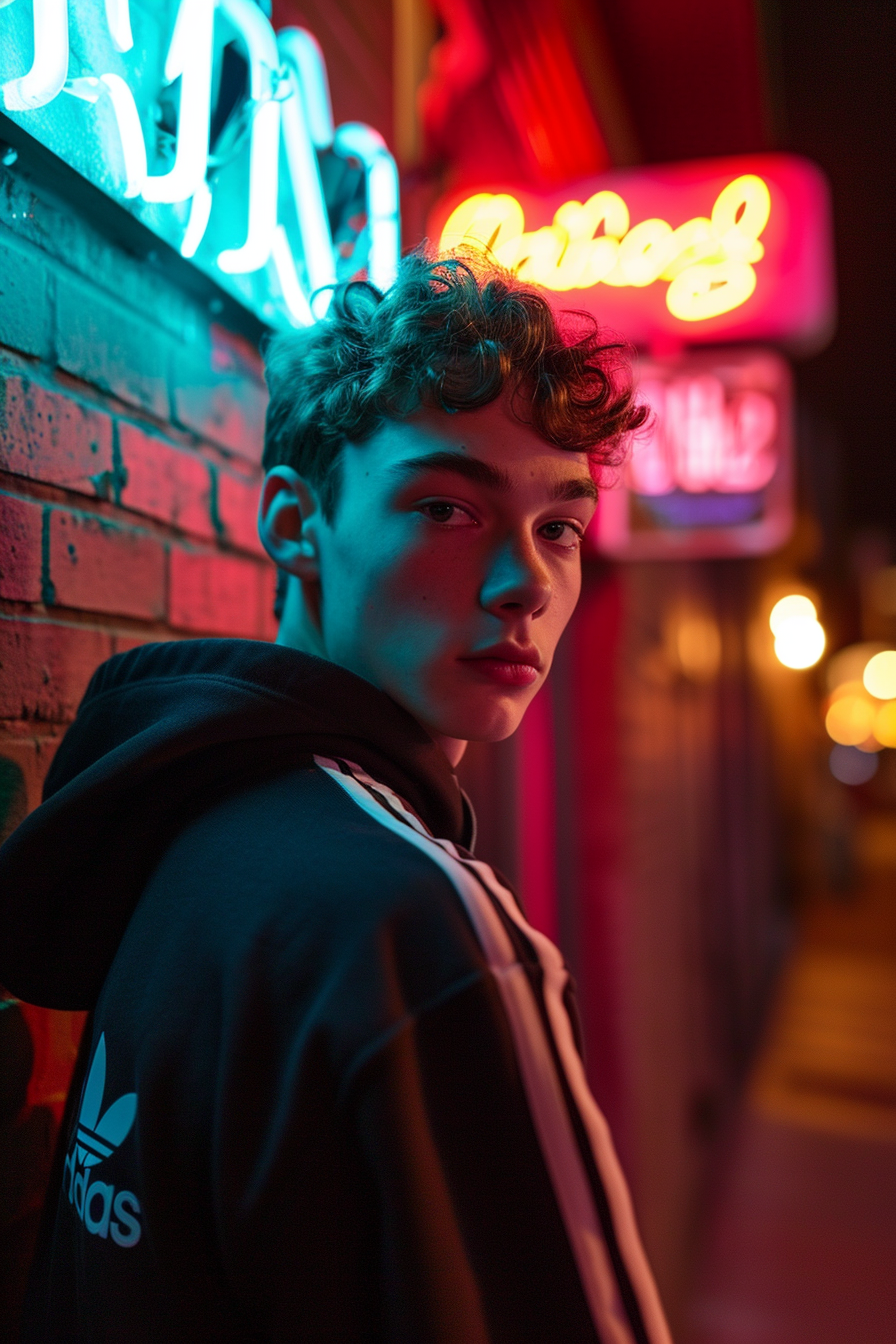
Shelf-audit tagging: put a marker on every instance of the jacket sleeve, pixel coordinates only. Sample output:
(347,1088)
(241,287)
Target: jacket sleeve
(471,1246)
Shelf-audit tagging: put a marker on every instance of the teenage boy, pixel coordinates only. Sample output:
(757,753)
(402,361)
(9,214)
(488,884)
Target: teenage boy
(330,1088)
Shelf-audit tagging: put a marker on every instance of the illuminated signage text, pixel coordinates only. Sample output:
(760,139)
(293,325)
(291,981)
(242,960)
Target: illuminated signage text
(708,261)
(736,249)
(710,473)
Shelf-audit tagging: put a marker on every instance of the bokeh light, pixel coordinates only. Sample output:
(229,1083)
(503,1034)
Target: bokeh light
(850,720)
(852,766)
(793,607)
(800,643)
(799,636)
(885,725)
(880,675)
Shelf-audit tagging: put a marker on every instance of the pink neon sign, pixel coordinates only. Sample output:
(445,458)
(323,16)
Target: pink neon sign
(736,249)
(711,472)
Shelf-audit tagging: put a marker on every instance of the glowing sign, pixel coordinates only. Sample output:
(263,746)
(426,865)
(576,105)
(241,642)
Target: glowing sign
(707,261)
(731,248)
(212,130)
(710,473)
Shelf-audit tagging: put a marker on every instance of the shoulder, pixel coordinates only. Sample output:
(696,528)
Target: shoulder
(292,877)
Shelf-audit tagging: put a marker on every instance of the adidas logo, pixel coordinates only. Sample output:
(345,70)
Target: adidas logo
(103,1212)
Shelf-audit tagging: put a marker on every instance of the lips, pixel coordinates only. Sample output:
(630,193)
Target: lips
(508,664)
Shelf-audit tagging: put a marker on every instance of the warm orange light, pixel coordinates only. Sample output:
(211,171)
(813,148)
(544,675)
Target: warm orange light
(799,635)
(885,725)
(708,262)
(793,607)
(880,675)
(850,720)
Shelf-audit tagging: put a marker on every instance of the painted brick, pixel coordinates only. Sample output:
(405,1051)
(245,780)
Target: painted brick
(111,347)
(217,391)
(45,667)
(237,510)
(164,482)
(218,594)
(25,314)
(47,436)
(20,549)
(95,565)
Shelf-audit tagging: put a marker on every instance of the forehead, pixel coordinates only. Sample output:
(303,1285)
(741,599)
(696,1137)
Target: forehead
(491,434)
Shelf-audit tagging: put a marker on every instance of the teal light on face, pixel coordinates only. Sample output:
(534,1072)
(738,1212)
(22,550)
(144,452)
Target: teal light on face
(153,89)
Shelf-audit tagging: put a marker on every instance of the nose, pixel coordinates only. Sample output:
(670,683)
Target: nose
(517,583)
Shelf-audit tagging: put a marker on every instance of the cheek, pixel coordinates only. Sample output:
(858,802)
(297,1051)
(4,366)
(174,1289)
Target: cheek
(426,582)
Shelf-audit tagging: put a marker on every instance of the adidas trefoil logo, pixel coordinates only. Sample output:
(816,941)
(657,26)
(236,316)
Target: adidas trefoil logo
(103,1212)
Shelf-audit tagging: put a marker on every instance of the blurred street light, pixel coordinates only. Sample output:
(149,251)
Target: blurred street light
(799,635)
(880,675)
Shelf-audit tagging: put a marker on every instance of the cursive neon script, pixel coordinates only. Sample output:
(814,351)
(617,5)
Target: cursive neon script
(287,107)
(709,263)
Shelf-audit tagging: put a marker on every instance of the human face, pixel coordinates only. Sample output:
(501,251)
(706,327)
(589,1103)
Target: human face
(452,565)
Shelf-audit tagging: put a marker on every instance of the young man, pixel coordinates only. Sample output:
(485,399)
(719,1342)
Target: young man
(329,1088)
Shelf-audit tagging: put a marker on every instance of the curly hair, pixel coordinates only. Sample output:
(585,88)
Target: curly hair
(453,332)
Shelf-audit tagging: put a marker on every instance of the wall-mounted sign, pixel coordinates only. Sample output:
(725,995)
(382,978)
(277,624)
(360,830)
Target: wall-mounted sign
(710,475)
(216,133)
(715,250)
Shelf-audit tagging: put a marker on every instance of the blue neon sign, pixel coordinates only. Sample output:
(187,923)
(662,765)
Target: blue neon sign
(214,131)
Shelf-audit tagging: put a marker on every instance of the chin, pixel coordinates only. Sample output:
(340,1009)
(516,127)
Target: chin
(483,723)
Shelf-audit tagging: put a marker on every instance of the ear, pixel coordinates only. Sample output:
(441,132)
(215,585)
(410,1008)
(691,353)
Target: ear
(289,515)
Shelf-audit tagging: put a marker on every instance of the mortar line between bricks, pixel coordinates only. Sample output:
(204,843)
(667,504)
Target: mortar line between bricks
(119,516)
(88,397)
(67,618)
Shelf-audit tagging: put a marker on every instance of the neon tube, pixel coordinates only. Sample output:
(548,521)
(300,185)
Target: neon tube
(304,176)
(46,78)
(190,58)
(118,18)
(708,262)
(257,36)
(303,52)
(127,120)
(130,133)
(293,295)
(200,209)
(355,140)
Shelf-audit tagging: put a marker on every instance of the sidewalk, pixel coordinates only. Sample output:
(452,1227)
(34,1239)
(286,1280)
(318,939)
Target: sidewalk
(801,1248)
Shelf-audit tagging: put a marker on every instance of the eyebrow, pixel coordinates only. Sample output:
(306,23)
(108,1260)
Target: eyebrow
(493,478)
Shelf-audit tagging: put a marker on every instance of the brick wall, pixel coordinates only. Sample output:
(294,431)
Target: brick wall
(130,441)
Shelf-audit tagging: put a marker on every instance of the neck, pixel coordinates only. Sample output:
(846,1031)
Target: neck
(300,629)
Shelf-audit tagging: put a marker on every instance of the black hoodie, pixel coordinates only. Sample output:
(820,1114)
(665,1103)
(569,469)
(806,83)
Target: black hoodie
(329,1088)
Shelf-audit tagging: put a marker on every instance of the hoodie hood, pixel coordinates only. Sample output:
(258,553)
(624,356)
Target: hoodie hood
(162,733)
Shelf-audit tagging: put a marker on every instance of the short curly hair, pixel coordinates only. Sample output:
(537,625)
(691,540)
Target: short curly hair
(453,332)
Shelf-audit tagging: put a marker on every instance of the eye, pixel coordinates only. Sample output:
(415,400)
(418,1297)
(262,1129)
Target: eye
(448,514)
(563,534)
